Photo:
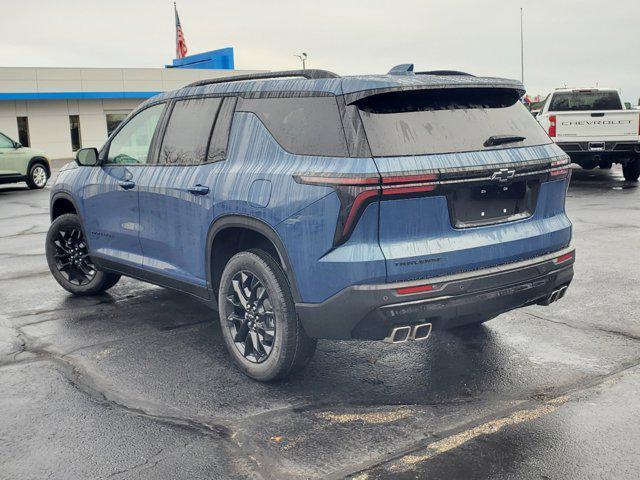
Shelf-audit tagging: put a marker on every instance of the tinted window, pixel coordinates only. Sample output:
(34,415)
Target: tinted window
(220,138)
(113,121)
(442,121)
(131,144)
(304,126)
(188,131)
(585,100)
(74,129)
(23,131)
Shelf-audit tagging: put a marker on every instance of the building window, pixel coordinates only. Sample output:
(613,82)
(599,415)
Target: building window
(113,120)
(23,131)
(74,124)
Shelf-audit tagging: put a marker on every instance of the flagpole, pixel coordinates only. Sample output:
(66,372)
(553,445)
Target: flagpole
(521,48)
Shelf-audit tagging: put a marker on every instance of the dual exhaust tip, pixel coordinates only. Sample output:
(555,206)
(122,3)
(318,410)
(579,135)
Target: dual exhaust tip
(405,333)
(555,296)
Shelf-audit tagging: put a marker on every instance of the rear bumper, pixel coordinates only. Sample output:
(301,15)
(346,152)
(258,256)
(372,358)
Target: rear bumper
(606,150)
(371,311)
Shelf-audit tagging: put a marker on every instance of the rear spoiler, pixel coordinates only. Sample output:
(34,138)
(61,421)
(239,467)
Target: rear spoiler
(430,81)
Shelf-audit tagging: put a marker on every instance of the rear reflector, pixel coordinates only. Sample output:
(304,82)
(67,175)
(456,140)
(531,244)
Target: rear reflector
(552,125)
(416,289)
(563,258)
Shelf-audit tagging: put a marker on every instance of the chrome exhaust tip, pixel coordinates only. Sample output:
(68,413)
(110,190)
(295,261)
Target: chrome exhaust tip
(420,332)
(398,335)
(561,292)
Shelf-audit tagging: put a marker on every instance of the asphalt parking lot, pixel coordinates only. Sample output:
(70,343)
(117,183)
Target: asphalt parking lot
(137,384)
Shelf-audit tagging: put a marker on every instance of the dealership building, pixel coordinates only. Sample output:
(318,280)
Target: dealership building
(59,110)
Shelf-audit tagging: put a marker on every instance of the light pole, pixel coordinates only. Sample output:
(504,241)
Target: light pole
(303,59)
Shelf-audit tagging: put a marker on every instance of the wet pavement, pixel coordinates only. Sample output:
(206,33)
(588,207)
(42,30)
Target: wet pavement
(137,384)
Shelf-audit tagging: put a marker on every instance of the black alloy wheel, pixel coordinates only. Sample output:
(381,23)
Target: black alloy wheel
(71,257)
(252,320)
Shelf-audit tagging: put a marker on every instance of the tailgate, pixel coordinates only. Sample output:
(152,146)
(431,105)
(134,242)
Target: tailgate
(485,212)
(469,180)
(622,123)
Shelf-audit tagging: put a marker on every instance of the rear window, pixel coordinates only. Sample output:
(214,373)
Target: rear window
(421,122)
(302,125)
(585,100)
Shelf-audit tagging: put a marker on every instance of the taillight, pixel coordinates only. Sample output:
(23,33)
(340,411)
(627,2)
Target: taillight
(563,170)
(408,184)
(357,192)
(552,125)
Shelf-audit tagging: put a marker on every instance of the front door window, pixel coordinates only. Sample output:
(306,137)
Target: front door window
(131,144)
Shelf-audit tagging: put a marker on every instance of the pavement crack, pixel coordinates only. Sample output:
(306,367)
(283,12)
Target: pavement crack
(629,336)
(139,466)
(84,379)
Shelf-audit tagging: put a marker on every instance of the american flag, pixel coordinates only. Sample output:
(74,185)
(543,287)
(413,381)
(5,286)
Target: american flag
(181,44)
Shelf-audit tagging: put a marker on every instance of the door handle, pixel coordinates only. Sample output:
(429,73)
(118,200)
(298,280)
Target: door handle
(199,189)
(127,184)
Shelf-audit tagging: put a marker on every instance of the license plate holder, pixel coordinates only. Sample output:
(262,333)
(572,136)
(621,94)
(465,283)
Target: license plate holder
(477,205)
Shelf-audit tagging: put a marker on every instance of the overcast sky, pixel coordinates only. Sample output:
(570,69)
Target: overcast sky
(578,43)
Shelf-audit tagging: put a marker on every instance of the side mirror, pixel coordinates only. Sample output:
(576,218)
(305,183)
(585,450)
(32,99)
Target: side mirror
(17,145)
(87,157)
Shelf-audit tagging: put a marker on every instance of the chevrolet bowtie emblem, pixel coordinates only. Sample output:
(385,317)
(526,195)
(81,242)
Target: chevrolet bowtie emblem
(503,175)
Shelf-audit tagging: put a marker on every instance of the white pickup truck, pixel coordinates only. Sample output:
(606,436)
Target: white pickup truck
(592,126)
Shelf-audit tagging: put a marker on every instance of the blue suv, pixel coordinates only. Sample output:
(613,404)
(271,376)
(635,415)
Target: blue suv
(303,205)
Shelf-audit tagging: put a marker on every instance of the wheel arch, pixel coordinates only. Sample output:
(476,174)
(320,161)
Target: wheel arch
(62,203)
(41,160)
(229,222)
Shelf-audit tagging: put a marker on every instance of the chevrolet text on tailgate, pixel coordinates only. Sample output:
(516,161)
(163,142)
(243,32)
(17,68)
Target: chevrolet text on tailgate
(593,128)
(303,205)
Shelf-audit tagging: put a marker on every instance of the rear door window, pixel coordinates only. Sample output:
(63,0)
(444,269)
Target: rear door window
(188,131)
(302,125)
(419,122)
(580,100)
(220,137)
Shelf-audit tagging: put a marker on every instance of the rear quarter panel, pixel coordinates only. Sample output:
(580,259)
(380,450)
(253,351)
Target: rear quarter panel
(257,181)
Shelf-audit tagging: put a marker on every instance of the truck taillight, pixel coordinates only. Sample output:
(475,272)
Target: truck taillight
(356,192)
(552,125)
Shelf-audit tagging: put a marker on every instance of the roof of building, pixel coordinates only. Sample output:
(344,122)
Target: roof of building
(47,83)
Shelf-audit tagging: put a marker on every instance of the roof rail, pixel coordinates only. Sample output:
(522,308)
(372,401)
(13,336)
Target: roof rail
(308,74)
(444,72)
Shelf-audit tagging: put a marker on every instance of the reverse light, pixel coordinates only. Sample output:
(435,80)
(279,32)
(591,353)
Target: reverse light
(416,289)
(552,125)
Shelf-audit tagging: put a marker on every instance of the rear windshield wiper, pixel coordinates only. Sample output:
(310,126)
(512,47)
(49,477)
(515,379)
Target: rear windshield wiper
(502,139)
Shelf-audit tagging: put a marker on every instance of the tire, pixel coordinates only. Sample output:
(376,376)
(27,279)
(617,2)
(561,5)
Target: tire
(631,170)
(37,177)
(68,259)
(261,330)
